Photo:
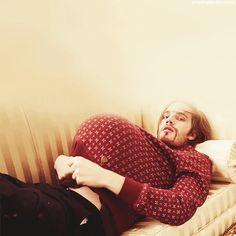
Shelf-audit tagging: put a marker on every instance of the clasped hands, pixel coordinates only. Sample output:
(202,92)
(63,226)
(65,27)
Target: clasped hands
(82,170)
(88,173)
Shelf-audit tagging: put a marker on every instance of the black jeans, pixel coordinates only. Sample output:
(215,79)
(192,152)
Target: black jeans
(42,209)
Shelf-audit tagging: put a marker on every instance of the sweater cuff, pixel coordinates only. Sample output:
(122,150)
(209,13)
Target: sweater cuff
(130,191)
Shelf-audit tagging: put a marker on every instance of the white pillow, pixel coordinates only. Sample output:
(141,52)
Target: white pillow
(223,155)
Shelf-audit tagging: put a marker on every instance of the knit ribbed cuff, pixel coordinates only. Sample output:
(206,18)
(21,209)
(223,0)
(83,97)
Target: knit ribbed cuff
(130,191)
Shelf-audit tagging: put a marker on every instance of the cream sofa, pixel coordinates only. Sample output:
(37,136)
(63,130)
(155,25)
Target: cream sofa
(38,124)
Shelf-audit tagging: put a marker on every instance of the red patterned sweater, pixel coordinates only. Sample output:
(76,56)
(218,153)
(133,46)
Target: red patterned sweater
(163,183)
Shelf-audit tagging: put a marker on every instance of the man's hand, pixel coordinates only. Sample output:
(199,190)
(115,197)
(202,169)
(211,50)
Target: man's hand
(86,172)
(62,166)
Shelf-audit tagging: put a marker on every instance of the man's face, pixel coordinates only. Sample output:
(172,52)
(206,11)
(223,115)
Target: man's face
(175,125)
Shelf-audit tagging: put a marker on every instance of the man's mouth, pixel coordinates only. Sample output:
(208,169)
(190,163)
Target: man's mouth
(169,129)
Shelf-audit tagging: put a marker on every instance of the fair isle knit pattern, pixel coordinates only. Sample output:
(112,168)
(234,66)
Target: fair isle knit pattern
(163,183)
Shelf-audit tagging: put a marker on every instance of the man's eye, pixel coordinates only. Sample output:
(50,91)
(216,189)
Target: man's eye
(181,118)
(165,116)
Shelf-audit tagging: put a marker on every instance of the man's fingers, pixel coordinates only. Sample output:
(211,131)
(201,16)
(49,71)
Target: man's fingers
(75,174)
(78,180)
(64,174)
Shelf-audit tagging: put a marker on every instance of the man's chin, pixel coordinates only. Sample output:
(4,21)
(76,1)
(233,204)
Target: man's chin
(169,143)
(165,140)
(168,138)
(172,144)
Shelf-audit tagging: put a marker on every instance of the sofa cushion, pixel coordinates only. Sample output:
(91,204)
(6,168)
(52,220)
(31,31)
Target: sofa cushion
(223,155)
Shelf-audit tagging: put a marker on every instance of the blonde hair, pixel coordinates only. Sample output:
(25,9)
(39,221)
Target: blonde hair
(201,127)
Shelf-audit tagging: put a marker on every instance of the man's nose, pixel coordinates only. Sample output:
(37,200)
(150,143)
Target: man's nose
(169,121)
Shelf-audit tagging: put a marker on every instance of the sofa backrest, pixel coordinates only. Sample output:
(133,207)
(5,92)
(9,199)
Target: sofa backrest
(38,123)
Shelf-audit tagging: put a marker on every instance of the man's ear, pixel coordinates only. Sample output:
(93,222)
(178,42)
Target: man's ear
(192,135)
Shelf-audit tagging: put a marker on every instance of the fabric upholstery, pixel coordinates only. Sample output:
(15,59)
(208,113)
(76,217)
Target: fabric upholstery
(223,155)
(210,219)
(38,123)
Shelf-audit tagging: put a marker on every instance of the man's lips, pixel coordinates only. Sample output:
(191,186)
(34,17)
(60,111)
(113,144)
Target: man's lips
(168,128)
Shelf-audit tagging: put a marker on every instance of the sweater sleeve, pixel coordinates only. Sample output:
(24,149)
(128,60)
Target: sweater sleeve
(175,205)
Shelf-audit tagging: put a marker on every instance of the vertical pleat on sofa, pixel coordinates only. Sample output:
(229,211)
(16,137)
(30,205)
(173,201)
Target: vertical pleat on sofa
(17,153)
(51,137)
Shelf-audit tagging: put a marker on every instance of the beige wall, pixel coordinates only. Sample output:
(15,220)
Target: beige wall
(136,53)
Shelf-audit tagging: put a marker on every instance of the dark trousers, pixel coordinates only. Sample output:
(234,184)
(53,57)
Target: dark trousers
(43,210)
